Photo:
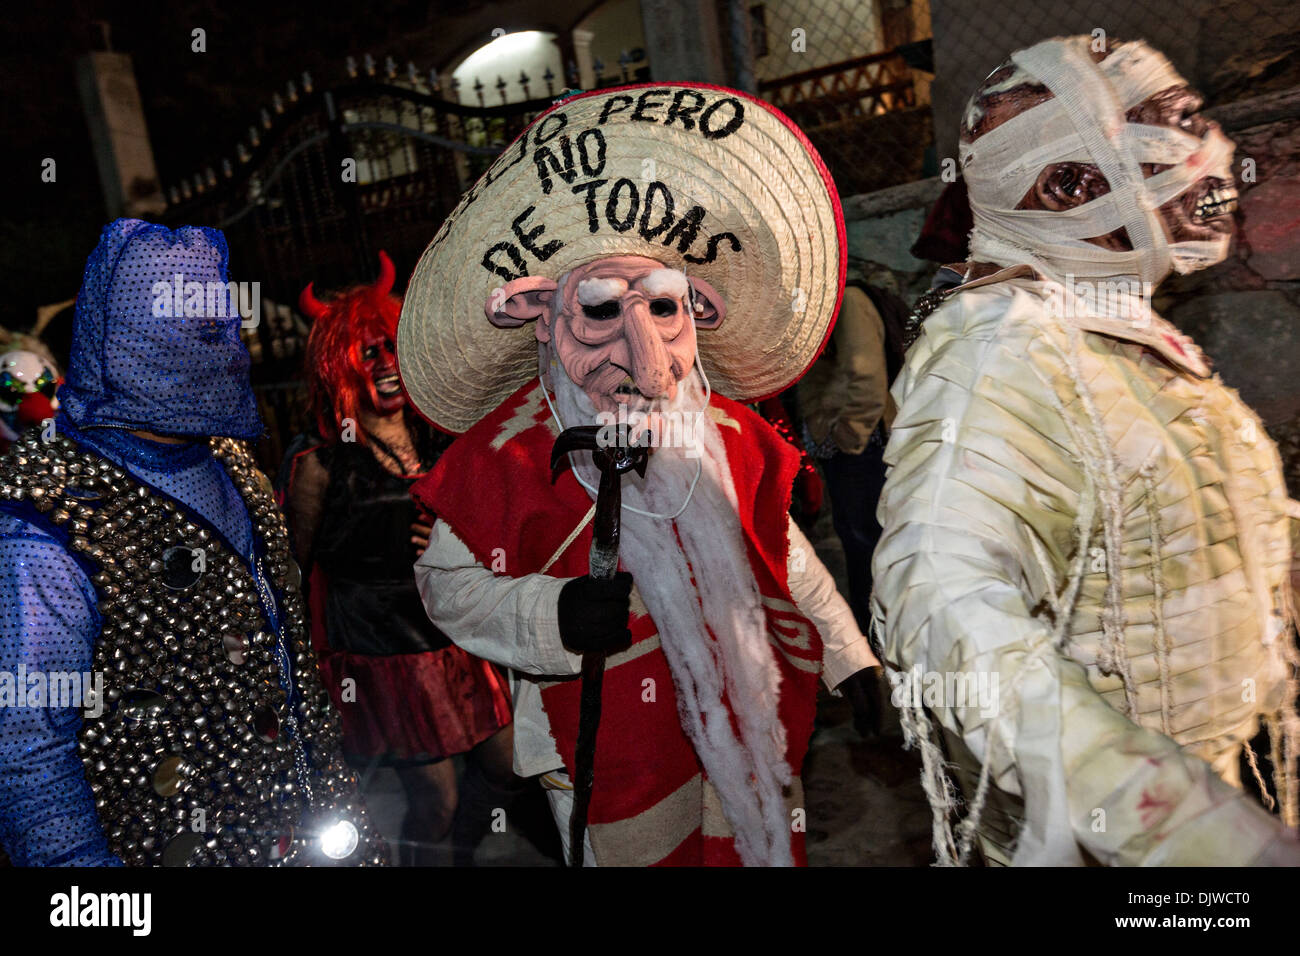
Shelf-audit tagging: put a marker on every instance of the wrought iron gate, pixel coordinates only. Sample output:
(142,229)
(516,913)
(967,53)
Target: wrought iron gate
(328,178)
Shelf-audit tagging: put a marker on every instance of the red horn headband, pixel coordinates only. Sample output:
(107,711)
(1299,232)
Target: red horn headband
(314,308)
(384,284)
(309,305)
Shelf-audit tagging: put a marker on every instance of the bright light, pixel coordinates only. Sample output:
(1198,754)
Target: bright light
(530,51)
(505,47)
(338,840)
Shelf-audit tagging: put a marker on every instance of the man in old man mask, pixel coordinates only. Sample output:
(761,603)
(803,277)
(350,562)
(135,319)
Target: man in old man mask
(637,255)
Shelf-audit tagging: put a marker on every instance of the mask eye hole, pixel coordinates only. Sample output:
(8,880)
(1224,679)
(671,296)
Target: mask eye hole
(602,310)
(663,307)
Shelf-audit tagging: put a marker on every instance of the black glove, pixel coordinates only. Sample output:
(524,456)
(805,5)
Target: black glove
(863,693)
(593,613)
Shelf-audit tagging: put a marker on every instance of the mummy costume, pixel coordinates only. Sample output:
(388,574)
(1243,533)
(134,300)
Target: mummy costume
(706,203)
(1082,585)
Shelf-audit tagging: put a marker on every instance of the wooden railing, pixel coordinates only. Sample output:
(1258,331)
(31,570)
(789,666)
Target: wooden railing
(862,115)
(864,86)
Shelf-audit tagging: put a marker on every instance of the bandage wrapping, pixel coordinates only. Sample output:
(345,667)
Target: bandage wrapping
(1085,121)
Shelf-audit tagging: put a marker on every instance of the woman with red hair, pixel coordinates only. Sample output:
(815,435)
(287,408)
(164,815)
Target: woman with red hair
(408,697)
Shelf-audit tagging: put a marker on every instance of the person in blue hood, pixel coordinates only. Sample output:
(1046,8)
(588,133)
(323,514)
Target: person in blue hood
(141,553)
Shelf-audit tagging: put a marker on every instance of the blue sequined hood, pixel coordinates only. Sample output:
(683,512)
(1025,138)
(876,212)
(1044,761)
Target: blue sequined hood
(149,350)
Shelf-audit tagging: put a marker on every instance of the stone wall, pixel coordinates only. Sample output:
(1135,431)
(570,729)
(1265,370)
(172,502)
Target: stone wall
(881,229)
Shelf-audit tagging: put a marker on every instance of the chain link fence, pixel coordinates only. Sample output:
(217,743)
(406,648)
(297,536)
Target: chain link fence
(855,76)
(879,86)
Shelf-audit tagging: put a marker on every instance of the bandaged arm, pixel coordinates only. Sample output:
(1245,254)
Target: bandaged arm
(953,589)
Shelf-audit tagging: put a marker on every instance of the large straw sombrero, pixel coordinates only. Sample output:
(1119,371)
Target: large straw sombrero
(701,178)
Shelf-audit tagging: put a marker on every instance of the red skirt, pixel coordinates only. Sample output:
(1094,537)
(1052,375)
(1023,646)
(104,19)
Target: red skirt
(408,707)
(415,707)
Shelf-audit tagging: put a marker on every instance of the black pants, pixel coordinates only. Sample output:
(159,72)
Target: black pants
(854,483)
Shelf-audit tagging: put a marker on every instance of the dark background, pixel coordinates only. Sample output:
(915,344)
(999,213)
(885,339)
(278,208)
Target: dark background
(197,105)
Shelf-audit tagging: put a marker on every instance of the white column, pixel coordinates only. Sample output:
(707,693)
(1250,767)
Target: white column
(683,39)
(582,57)
(123,153)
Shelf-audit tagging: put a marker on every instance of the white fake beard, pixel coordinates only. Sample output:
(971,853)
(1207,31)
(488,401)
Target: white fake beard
(749,772)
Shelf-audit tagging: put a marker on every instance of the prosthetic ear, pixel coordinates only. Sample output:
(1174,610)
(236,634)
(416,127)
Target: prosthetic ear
(707,307)
(520,301)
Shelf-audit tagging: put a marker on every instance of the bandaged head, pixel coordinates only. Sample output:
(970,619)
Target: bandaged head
(1093,113)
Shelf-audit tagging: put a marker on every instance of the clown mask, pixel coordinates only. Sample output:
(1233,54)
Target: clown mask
(24,373)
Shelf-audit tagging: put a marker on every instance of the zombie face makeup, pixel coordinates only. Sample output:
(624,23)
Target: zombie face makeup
(1142,182)
(380,385)
(1201,213)
(1205,210)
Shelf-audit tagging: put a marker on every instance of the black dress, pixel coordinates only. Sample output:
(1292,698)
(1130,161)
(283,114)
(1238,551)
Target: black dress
(404,691)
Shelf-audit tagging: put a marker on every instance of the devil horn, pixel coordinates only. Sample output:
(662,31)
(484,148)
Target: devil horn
(384,284)
(309,305)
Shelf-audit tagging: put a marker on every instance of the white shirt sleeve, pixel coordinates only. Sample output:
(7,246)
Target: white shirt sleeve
(510,621)
(845,650)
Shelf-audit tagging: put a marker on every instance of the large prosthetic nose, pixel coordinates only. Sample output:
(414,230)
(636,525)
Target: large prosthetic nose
(648,359)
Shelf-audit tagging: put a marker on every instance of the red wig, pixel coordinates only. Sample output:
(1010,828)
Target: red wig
(336,376)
